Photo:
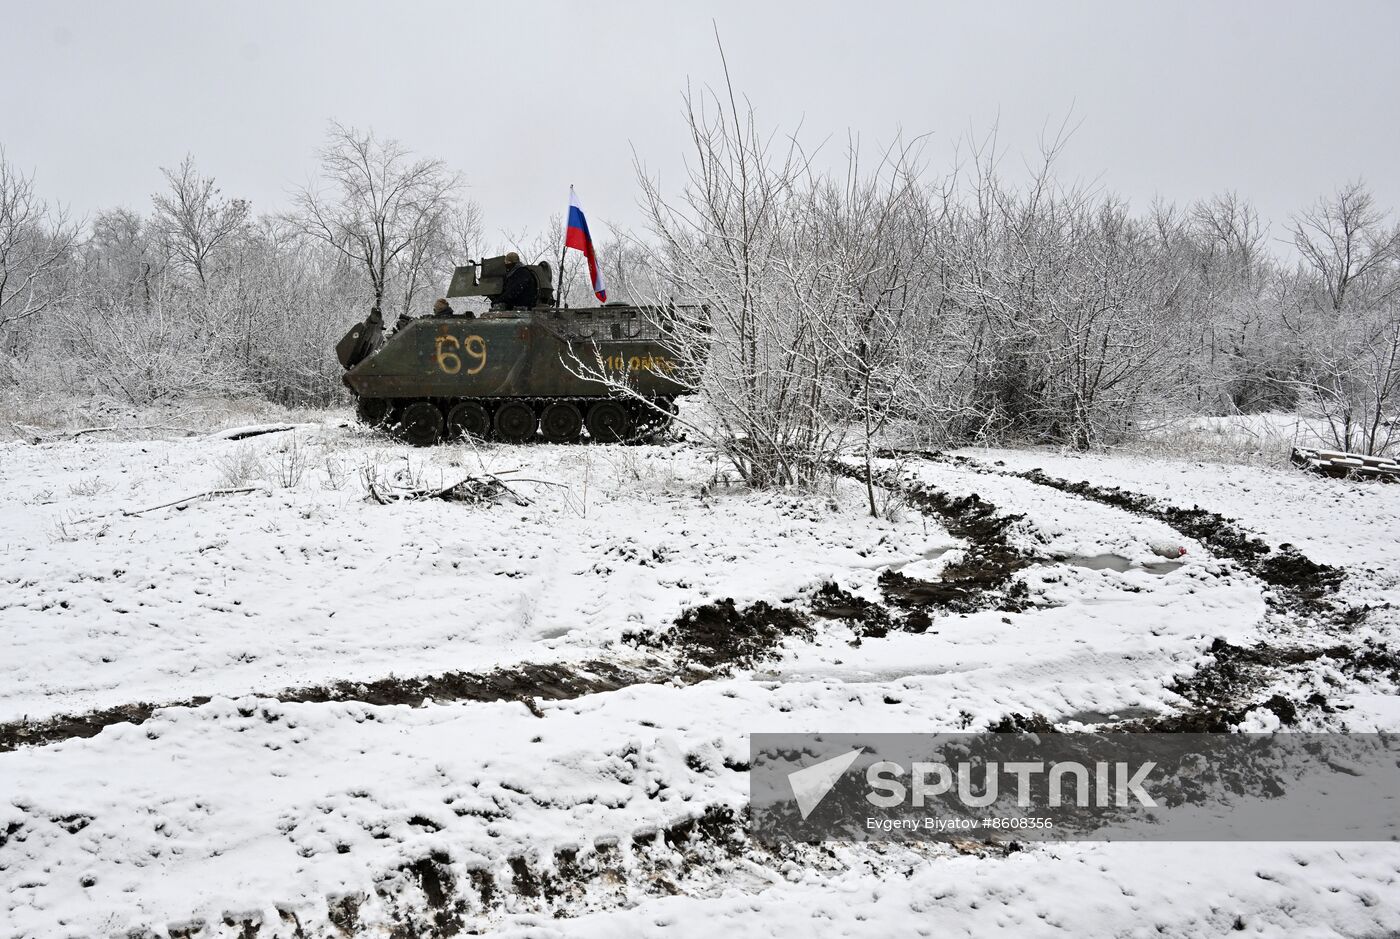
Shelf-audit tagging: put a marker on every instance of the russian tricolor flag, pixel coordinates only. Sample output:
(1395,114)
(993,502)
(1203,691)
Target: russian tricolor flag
(577,236)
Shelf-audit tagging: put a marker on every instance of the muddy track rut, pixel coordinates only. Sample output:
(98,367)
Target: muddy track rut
(436,896)
(706,641)
(1225,690)
(719,638)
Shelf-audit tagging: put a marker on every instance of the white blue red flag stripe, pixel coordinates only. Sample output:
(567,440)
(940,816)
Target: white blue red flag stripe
(577,236)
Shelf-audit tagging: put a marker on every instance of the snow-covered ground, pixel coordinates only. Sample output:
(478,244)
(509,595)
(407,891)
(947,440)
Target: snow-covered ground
(617,812)
(302,583)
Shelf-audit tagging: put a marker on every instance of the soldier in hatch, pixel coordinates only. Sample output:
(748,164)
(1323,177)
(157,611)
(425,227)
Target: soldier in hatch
(521,289)
(442,309)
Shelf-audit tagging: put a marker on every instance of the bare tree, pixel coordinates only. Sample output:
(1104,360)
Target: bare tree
(1351,375)
(35,243)
(1348,325)
(1229,228)
(385,211)
(626,265)
(464,232)
(152,353)
(1345,240)
(119,259)
(193,220)
(1063,304)
(737,239)
(1230,301)
(876,233)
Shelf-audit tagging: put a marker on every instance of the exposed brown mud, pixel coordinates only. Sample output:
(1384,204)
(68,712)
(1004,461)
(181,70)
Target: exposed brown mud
(1284,567)
(435,897)
(16,734)
(438,897)
(983,577)
(1236,681)
(722,637)
(525,683)
(1222,694)
(866,617)
(712,639)
(553,682)
(1233,684)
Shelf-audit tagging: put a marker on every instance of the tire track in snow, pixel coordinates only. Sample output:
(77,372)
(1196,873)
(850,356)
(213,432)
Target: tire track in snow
(703,642)
(1223,692)
(706,641)
(981,578)
(552,682)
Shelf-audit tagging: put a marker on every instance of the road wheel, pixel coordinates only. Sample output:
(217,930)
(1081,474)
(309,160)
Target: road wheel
(419,424)
(469,417)
(372,411)
(561,422)
(608,422)
(515,421)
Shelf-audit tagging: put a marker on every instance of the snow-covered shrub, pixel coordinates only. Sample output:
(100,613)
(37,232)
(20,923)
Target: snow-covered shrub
(238,467)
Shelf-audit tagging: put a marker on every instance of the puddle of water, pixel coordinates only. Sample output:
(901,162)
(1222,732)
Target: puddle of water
(932,554)
(1100,562)
(1101,717)
(845,676)
(1116,562)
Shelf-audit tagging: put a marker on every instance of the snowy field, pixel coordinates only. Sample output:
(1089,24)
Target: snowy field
(293,709)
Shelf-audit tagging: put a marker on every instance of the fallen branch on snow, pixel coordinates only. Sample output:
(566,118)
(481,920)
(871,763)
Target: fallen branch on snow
(198,495)
(253,430)
(25,434)
(33,437)
(473,489)
(119,427)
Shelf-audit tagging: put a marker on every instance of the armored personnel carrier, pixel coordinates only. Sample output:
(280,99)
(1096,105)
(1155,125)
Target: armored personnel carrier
(516,374)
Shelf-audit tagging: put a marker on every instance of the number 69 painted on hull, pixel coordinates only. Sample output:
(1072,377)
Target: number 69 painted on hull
(448,360)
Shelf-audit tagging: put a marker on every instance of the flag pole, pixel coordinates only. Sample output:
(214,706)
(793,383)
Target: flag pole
(563,251)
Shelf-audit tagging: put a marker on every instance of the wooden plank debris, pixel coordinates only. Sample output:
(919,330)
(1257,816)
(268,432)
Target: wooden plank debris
(1341,465)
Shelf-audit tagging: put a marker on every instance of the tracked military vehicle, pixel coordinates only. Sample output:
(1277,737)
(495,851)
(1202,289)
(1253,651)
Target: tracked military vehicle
(515,374)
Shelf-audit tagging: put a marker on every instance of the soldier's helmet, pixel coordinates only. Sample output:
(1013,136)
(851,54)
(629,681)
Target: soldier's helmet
(512,259)
(441,305)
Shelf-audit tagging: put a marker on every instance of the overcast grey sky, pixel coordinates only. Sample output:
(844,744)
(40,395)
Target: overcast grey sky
(1281,101)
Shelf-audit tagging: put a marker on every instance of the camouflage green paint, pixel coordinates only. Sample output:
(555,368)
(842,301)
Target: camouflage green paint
(526,354)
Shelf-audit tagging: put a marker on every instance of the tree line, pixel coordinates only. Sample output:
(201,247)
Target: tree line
(820,300)
(974,308)
(198,296)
